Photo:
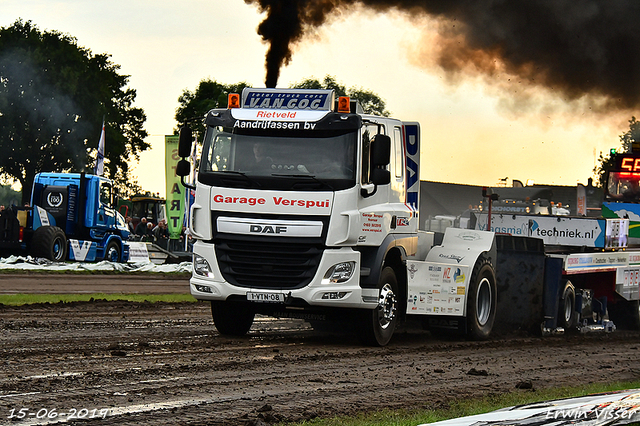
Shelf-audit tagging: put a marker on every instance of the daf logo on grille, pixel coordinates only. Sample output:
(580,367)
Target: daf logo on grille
(267,229)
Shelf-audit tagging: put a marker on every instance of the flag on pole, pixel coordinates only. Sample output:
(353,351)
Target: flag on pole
(99,170)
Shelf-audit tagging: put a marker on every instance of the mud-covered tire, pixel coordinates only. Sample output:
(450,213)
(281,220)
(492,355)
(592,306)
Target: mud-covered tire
(625,314)
(112,252)
(481,301)
(233,319)
(567,315)
(376,326)
(50,243)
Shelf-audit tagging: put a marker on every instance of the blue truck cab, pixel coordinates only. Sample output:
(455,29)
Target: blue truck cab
(73,215)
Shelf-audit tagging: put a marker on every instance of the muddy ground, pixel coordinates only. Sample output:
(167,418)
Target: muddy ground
(165,364)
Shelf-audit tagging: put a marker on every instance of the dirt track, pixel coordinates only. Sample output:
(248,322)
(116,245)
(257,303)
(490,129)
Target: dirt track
(165,364)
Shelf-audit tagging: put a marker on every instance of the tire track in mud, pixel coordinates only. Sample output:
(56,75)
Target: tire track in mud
(166,364)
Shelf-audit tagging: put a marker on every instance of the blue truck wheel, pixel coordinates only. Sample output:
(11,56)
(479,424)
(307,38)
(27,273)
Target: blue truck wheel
(112,252)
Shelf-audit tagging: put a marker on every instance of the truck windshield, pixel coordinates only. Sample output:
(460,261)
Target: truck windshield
(264,159)
(623,186)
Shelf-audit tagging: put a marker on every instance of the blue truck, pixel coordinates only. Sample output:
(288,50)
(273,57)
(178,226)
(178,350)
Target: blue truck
(71,216)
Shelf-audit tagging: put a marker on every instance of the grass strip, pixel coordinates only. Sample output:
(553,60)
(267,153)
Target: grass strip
(27,299)
(468,407)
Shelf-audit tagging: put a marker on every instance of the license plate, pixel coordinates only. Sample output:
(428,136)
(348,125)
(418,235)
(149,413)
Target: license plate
(266,297)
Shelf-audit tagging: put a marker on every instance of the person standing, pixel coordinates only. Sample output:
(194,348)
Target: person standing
(141,229)
(129,221)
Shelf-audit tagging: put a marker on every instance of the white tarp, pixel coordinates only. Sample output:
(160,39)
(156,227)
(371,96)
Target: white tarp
(613,408)
(32,264)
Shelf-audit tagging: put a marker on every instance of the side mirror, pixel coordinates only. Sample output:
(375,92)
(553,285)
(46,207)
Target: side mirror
(380,151)
(380,157)
(185,142)
(183,168)
(380,176)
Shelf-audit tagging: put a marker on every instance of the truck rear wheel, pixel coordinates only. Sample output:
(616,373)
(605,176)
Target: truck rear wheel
(233,319)
(625,314)
(378,325)
(481,301)
(50,243)
(567,315)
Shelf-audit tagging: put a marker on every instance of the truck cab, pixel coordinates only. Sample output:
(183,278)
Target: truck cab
(147,205)
(73,215)
(304,207)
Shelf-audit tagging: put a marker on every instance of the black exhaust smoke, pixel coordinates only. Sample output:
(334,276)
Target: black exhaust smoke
(285,24)
(579,49)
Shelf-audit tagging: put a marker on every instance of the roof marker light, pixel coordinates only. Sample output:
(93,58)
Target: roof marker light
(234,100)
(344,104)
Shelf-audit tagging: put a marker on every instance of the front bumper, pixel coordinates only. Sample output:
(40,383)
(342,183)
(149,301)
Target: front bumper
(318,293)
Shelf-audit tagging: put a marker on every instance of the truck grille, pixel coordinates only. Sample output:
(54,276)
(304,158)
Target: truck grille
(269,263)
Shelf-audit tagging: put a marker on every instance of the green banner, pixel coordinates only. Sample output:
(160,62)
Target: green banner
(175,190)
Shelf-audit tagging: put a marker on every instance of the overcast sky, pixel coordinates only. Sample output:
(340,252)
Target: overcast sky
(472,131)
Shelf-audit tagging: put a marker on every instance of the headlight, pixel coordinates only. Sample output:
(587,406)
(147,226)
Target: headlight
(339,273)
(201,266)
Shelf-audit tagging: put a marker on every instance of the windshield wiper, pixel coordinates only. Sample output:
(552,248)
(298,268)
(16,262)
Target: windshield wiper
(242,174)
(312,177)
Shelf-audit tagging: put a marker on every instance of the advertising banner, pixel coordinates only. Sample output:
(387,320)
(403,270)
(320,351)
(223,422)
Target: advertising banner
(437,288)
(624,210)
(581,196)
(175,190)
(561,230)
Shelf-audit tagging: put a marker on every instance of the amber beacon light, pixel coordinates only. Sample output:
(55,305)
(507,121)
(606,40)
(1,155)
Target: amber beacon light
(344,104)
(234,100)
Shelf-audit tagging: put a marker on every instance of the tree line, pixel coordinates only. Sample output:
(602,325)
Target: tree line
(54,96)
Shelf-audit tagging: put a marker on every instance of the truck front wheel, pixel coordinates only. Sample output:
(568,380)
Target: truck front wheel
(112,252)
(233,319)
(378,325)
(481,301)
(50,243)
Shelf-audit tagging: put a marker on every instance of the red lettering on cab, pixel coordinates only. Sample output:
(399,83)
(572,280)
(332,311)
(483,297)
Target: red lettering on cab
(252,201)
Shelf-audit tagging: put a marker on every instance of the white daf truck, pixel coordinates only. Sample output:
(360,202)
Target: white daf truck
(307,208)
